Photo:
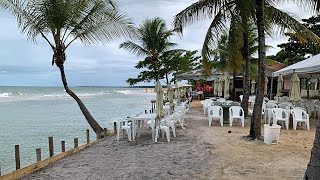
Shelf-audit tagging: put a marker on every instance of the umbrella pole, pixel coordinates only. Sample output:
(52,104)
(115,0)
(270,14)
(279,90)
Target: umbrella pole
(271,87)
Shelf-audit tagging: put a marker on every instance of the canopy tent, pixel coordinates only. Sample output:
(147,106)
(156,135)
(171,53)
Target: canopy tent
(307,68)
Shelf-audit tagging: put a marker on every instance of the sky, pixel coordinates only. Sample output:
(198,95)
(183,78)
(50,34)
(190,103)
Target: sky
(26,63)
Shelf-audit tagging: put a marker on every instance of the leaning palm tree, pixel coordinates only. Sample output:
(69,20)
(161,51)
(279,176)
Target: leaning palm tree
(151,42)
(87,21)
(221,12)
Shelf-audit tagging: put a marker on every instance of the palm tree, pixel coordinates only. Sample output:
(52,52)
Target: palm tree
(151,41)
(221,12)
(88,21)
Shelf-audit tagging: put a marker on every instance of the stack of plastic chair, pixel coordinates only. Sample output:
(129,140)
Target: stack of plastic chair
(236,112)
(171,122)
(300,115)
(280,114)
(215,112)
(180,112)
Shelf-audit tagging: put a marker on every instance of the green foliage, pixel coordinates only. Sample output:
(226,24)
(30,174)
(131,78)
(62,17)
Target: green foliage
(161,60)
(175,61)
(297,48)
(222,11)
(151,42)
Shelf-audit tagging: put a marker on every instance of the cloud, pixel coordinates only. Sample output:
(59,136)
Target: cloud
(23,62)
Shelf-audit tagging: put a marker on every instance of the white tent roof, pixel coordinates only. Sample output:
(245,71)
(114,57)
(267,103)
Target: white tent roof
(307,68)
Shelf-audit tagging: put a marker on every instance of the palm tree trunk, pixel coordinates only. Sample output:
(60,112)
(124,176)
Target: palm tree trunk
(255,127)
(313,168)
(92,122)
(245,54)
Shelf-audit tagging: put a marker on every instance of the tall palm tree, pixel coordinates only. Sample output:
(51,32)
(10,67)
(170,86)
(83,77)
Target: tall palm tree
(62,22)
(221,12)
(151,41)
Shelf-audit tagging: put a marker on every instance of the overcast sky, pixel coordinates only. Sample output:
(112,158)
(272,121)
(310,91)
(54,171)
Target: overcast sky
(24,63)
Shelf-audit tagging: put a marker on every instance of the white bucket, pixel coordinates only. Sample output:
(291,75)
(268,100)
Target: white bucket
(271,134)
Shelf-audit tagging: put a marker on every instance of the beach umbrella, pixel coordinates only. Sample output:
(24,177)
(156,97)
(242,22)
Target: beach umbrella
(215,88)
(170,96)
(266,86)
(220,86)
(253,86)
(220,81)
(279,85)
(295,88)
(177,92)
(226,79)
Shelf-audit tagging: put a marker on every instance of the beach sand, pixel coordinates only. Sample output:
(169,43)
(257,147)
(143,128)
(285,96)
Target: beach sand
(198,152)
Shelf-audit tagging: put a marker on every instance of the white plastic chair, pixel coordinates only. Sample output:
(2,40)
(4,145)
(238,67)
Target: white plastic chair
(215,112)
(164,128)
(273,101)
(221,100)
(236,112)
(170,121)
(271,105)
(124,125)
(300,115)
(280,114)
(206,103)
(286,106)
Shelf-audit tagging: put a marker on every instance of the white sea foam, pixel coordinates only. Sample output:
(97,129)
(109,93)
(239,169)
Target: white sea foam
(5,94)
(125,92)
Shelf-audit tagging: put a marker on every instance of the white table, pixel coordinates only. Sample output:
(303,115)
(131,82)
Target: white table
(140,119)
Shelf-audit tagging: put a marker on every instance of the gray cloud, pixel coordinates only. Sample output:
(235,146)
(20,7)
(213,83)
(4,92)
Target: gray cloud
(24,63)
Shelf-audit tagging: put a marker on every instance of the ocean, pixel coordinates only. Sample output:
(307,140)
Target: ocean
(29,115)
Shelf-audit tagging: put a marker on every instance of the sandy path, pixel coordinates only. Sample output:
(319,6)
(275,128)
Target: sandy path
(199,152)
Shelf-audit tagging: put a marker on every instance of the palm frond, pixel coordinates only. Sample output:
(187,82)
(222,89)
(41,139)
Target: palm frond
(285,21)
(216,29)
(134,48)
(203,9)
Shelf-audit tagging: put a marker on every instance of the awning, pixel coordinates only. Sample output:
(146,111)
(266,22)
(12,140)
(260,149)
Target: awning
(308,68)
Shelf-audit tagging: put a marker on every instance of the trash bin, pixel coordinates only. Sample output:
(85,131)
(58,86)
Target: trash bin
(271,133)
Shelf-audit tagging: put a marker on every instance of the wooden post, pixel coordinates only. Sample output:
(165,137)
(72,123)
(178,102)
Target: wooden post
(63,146)
(114,127)
(75,140)
(17,156)
(38,153)
(51,153)
(98,137)
(105,132)
(88,136)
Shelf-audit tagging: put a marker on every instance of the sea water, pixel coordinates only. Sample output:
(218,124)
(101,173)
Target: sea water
(29,115)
